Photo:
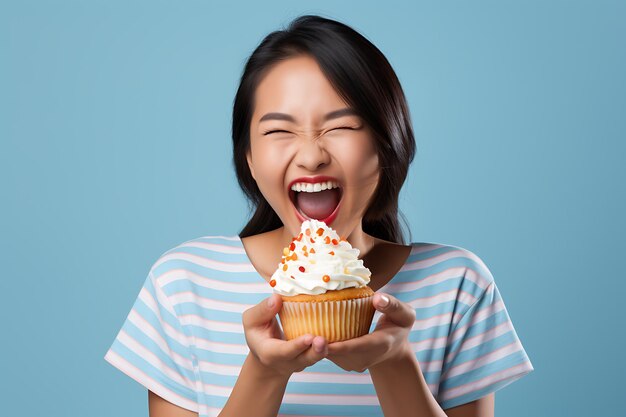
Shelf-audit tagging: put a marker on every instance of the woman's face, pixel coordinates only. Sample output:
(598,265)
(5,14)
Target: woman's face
(306,146)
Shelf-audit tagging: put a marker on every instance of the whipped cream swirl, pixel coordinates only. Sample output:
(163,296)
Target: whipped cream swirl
(318,260)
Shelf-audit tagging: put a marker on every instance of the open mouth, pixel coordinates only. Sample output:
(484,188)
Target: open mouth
(320,205)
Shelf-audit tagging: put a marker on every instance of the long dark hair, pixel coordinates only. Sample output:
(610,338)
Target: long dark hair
(363,77)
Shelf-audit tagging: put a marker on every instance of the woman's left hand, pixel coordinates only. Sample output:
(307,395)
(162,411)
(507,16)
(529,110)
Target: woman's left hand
(388,341)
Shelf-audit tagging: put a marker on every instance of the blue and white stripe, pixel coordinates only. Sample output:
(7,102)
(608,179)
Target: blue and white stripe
(183,338)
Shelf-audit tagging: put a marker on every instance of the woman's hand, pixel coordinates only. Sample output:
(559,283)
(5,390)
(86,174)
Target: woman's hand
(267,342)
(388,342)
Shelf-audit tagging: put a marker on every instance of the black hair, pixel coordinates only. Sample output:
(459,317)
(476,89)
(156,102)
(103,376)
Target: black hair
(363,77)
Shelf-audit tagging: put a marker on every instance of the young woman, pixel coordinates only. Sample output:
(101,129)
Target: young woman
(320,104)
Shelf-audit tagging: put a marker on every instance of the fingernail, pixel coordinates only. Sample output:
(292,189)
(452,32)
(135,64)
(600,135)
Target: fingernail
(319,349)
(384,301)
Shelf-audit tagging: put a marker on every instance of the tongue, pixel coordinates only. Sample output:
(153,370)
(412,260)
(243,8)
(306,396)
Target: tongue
(318,205)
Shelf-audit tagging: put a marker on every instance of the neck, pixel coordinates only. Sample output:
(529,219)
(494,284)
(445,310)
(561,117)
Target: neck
(361,240)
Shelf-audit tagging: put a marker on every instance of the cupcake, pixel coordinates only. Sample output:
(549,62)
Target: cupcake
(323,286)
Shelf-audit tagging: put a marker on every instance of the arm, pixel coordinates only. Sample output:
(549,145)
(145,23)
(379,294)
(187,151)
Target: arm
(159,407)
(402,391)
(482,407)
(258,392)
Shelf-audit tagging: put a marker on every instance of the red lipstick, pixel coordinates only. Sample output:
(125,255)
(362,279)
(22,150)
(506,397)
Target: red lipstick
(313,180)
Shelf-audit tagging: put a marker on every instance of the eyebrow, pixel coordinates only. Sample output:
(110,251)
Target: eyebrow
(348,111)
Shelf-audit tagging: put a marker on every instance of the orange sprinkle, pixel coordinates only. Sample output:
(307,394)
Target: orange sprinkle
(320,231)
(294,256)
(312,240)
(286,251)
(327,240)
(285,267)
(306,254)
(273,283)
(301,268)
(335,242)
(282,260)
(304,248)
(308,232)
(292,246)
(312,250)
(326,278)
(300,236)
(331,252)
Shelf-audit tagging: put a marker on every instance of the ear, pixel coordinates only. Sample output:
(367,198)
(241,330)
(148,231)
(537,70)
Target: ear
(249,159)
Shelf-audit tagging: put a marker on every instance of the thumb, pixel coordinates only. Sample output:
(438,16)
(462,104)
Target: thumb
(273,303)
(263,312)
(398,312)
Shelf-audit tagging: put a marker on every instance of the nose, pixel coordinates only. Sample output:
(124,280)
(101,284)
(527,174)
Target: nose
(311,155)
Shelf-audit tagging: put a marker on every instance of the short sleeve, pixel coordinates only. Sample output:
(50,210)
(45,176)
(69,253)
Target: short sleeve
(152,348)
(484,353)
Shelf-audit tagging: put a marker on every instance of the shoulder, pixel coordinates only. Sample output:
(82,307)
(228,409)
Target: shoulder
(200,254)
(446,260)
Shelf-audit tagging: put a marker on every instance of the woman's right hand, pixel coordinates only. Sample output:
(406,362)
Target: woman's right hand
(267,342)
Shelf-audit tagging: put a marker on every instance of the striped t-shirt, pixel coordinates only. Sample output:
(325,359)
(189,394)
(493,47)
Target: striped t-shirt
(183,338)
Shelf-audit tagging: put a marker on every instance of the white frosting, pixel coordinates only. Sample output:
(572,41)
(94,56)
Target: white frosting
(343,267)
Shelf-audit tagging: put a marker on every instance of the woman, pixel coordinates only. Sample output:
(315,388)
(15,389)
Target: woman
(317,103)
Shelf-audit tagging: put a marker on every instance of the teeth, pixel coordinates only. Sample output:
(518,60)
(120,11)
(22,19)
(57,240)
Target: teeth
(314,188)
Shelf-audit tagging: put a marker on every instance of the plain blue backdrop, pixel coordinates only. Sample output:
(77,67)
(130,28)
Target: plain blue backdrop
(115,146)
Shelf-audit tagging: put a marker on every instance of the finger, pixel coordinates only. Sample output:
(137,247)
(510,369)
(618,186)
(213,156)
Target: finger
(398,312)
(265,311)
(316,352)
(369,341)
(276,350)
(292,348)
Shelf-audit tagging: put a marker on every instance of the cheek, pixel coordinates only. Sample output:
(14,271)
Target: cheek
(270,164)
(359,159)
(369,164)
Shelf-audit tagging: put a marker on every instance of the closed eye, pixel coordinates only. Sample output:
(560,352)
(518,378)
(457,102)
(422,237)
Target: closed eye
(344,127)
(273,131)
(269,132)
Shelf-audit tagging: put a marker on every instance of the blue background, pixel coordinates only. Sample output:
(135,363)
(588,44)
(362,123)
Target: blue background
(115,129)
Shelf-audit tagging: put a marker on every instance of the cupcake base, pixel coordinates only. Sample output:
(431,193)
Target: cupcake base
(336,315)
